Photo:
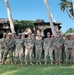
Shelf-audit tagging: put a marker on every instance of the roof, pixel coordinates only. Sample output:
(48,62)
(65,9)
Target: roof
(41,22)
(5,20)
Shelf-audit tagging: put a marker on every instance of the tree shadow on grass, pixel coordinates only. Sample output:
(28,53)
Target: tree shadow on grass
(36,70)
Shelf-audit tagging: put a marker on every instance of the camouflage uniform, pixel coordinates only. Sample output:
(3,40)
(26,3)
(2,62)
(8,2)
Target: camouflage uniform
(29,44)
(0,50)
(19,50)
(2,47)
(34,48)
(14,38)
(69,49)
(38,46)
(9,43)
(58,51)
(48,49)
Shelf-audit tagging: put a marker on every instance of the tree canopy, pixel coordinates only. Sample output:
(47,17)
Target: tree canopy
(24,24)
(66,5)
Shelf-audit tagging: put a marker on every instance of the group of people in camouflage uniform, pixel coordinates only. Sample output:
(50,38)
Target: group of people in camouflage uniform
(25,50)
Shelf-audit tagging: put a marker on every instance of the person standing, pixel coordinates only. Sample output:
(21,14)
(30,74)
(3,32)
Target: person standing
(9,43)
(29,44)
(69,48)
(33,38)
(3,45)
(13,38)
(58,42)
(19,49)
(38,46)
(48,48)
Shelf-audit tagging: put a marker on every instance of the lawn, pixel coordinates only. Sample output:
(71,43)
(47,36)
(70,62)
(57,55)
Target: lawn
(36,70)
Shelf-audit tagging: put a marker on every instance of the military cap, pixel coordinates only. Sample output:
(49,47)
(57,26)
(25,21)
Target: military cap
(73,33)
(38,34)
(42,35)
(13,32)
(69,34)
(9,33)
(52,35)
(4,33)
(23,34)
(48,33)
(19,34)
(58,31)
(29,33)
(33,34)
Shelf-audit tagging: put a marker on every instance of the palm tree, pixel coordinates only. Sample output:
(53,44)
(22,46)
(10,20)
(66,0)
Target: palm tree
(66,5)
(50,17)
(9,16)
(73,7)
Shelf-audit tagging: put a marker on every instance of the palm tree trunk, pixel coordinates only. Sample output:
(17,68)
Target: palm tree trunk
(53,18)
(50,17)
(9,16)
(73,7)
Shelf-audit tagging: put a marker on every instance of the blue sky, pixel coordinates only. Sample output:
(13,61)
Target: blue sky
(35,9)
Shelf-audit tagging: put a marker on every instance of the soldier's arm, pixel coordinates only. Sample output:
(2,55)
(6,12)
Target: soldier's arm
(44,44)
(11,45)
(25,43)
(65,43)
(32,44)
(35,42)
(62,41)
(1,42)
(54,42)
(73,44)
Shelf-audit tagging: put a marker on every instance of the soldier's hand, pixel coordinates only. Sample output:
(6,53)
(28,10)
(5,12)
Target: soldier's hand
(2,47)
(44,49)
(29,47)
(53,49)
(58,46)
(8,48)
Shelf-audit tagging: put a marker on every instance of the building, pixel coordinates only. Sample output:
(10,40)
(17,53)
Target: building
(40,27)
(44,27)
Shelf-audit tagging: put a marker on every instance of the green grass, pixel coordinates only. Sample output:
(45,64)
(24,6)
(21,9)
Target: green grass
(36,70)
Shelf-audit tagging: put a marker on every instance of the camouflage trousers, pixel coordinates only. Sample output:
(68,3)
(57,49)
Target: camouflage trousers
(38,54)
(58,54)
(6,53)
(2,53)
(19,55)
(28,52)
(69,55)
(50,53)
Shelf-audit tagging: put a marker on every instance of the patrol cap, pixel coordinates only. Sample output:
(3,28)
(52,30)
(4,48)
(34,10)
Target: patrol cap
(69,34)
(23,33)
(73,33)
(4,33)
(33,34)
(13,32)
(42,35)
(29,33)
(58,31)
(19,34)
(52,35)
(9,33)
(48,33)
(38,34)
